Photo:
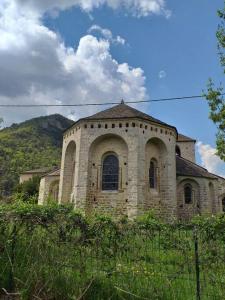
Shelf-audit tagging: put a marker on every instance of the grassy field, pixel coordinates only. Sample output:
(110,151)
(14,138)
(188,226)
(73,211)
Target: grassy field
(55,253)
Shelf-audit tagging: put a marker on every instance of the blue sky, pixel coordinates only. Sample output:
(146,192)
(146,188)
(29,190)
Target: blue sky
(184,46)
(180,46)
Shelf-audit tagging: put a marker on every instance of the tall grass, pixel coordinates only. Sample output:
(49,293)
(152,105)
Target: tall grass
(53,252)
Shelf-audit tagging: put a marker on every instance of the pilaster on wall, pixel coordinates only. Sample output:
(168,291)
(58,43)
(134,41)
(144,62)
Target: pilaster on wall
(65,143)
(42,192)
(162,200)
(81,183)
(142,180)
(133,176)
(169,201)
(72,136)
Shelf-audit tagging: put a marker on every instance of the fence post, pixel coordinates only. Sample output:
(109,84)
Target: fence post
(11,283)
(197,267)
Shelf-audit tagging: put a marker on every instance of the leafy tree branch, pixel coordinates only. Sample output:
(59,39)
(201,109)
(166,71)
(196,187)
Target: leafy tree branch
(215,96)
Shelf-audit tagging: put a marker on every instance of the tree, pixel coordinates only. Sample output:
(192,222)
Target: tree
(215,96)
(1,121)
(28,190)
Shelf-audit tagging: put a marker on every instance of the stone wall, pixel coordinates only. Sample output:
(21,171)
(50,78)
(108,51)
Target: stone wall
(135,142)
(221,191)
(128,139)
(205,197)
(187,150)
(25,177)
(113,202)
(45,188)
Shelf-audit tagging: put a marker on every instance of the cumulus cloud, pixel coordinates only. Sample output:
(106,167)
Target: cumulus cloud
(162,74)
(37,68)
(210,160)
(107,34)
(138,8)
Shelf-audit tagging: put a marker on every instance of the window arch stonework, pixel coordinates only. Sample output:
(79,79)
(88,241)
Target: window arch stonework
(188,199)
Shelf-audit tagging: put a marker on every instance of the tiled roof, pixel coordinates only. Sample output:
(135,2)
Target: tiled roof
(54,173)
(38,171)
(123,111)
(184,138)
(185,167)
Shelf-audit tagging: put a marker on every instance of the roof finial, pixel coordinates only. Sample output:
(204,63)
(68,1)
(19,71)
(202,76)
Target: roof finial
(122,101)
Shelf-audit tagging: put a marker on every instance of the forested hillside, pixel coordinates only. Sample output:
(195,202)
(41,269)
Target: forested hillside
(32,144)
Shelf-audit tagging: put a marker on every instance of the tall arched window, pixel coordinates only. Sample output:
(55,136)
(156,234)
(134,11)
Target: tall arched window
(223,204)
(110,173)
(188,194)
(153,174)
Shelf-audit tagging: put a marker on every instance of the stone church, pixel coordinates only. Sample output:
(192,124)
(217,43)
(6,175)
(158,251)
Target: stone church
(121,161)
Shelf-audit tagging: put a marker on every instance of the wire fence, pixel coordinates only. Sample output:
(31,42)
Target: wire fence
(106,260)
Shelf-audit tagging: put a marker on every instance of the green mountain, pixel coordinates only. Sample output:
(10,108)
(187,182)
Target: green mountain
(29,145)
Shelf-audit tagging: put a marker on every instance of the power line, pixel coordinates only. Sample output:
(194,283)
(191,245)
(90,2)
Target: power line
(101,104)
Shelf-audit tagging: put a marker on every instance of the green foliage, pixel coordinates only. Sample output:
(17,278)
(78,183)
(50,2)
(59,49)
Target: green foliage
(54,252)
(28,190)
(217,115)
(149,220)
(30,145)
(212,227)
(215,95)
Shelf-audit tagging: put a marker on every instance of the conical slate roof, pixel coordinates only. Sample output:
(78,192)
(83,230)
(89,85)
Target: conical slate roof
(123,111)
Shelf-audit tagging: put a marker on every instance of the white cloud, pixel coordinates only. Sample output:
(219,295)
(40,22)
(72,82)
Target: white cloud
(137,8)
(210,160)
(162,74)
(37,68)
(107,34)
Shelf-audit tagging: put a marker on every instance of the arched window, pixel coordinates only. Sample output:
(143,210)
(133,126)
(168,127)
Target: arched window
(223,204)
(178,152)
(153,174)
(110,173)
(188,194)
